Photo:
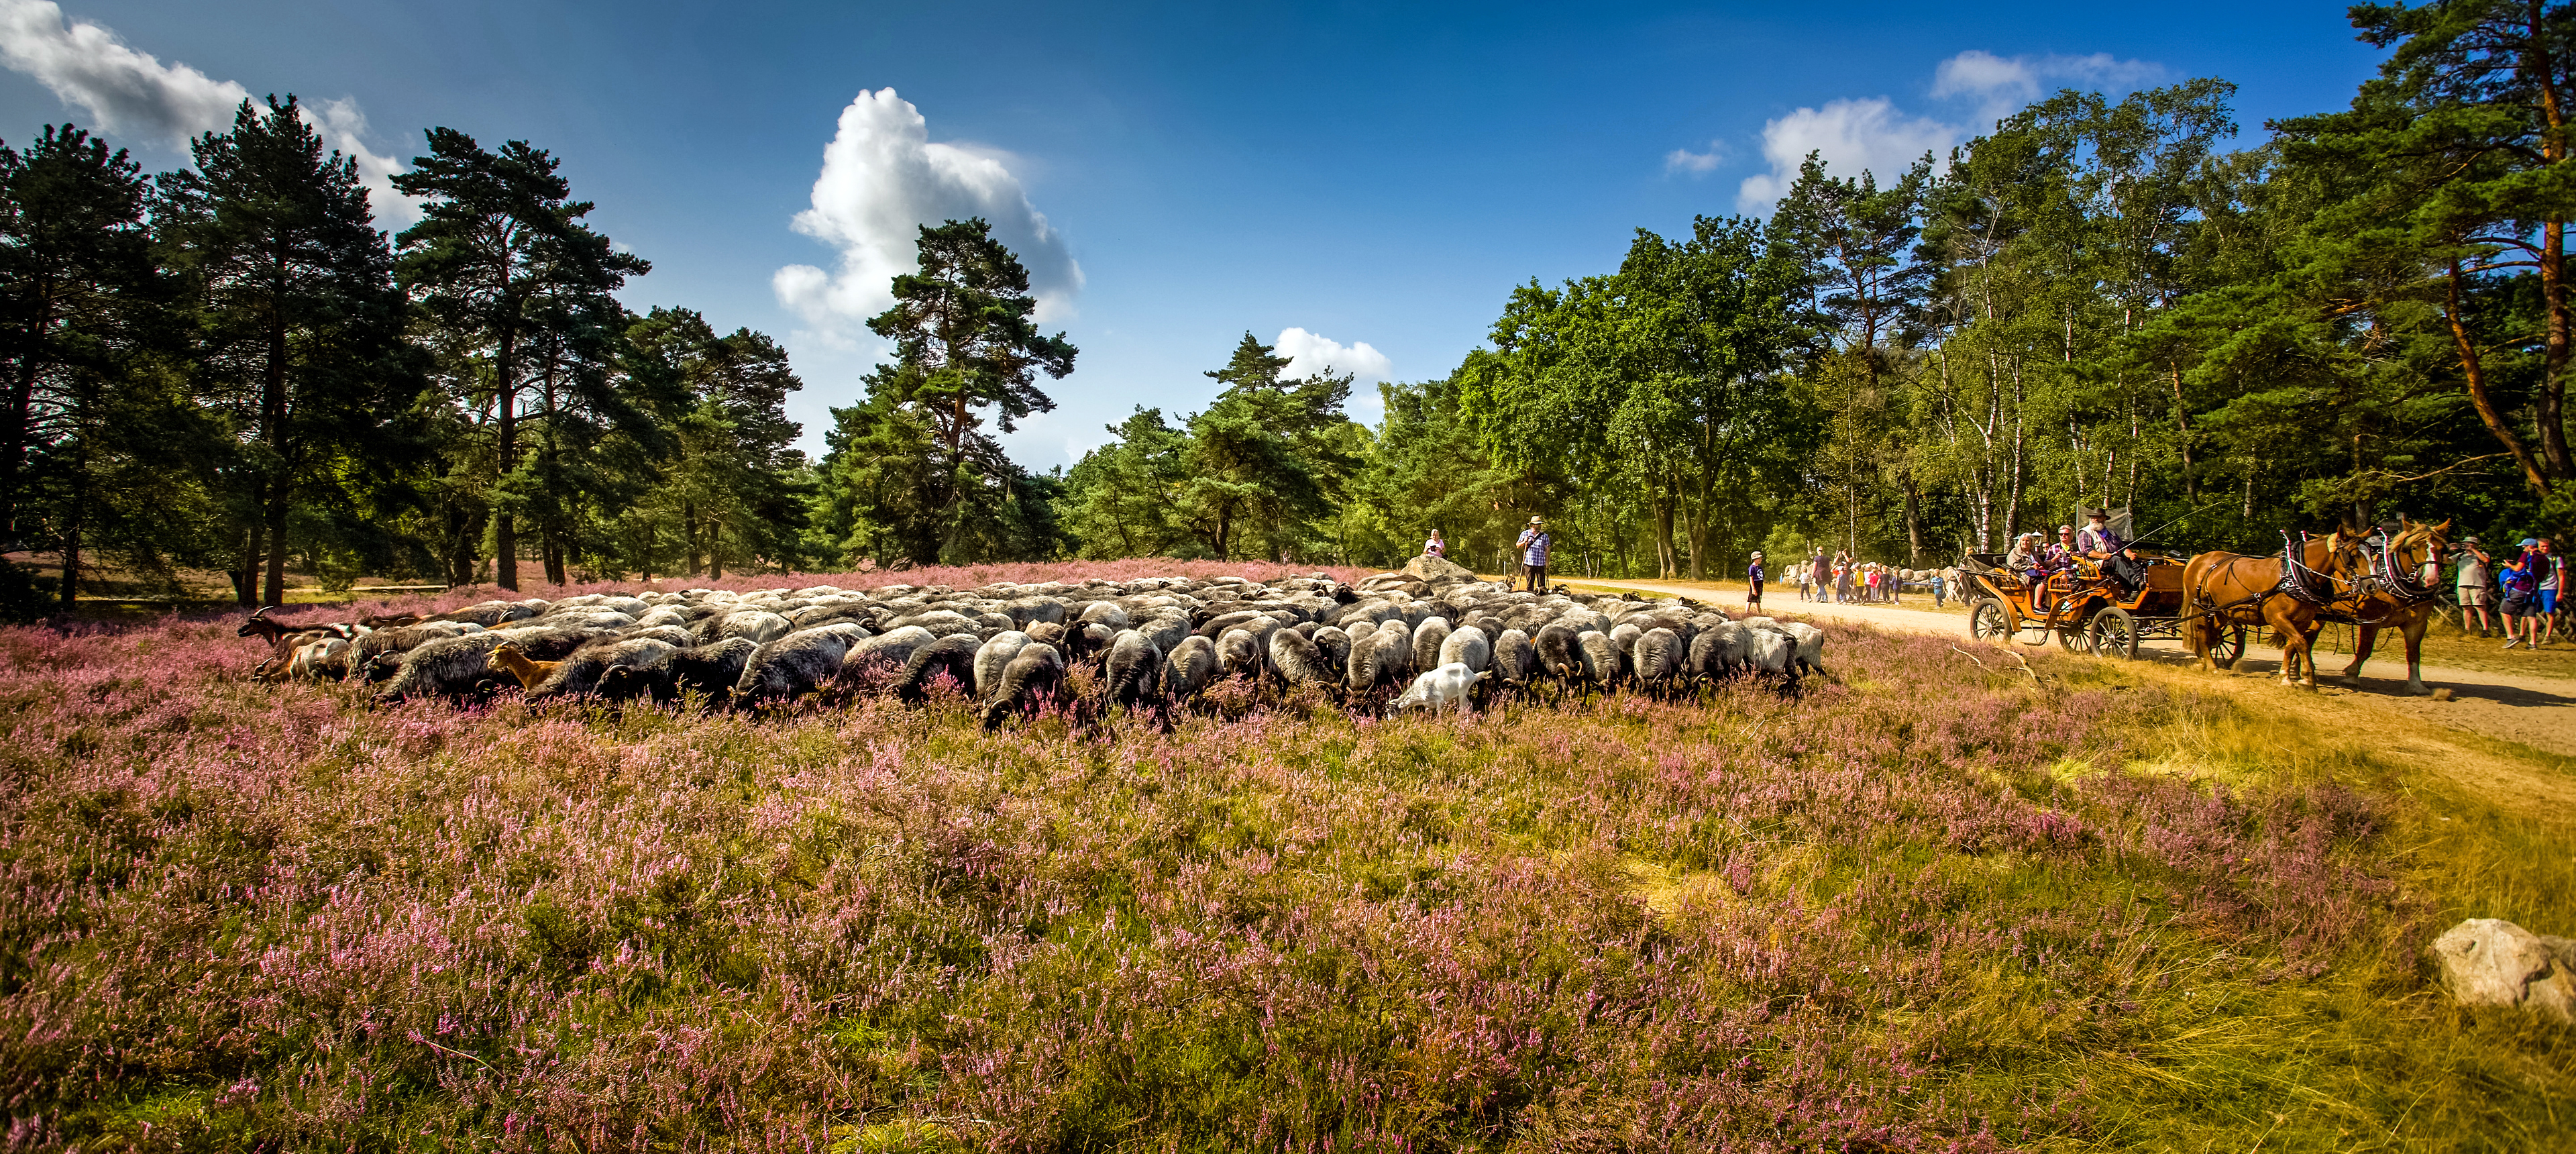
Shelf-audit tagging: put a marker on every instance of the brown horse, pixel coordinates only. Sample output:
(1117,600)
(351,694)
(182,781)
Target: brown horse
(2399,595)
(2221,589)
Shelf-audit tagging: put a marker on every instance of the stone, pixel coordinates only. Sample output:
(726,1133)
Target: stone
(2493,962)
(2442,695)
(1426,567)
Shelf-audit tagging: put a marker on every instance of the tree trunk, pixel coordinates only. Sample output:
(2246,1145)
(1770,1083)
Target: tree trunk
(71,563)
(2473,371)
(505,529)
(246,578)
(1913,518)
(2553,248)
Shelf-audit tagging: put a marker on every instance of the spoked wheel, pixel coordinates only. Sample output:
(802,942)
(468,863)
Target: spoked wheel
(1988,620)
(2071,636)
(2229,646)
(2113,633)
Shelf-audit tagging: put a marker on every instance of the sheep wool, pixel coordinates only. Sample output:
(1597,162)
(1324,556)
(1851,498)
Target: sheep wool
(1427,638)
(954,656)
(1298,660)
(1467,647)
(1238,655)
(1034,674)
(996,656)
(795,664)
(1658,656)
(1134,669)
(1560,654)
(1513,657)
(1602,661)
(1190,668)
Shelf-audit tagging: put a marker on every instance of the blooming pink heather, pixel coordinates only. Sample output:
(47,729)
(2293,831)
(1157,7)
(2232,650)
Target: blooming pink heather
(242,914)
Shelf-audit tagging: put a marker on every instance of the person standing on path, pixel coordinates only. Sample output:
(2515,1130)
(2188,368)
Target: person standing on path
(2521,587)
(1533,547)
(1753,582)
(2477,602)
(1823,568)
(2552,569)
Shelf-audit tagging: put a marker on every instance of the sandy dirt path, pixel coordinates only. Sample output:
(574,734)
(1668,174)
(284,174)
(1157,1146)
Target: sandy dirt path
(2536,711)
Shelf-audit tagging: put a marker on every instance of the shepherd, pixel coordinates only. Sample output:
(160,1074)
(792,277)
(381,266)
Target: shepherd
(1533,547)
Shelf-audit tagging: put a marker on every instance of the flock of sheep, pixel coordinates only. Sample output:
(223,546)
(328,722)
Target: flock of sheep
(1156,641)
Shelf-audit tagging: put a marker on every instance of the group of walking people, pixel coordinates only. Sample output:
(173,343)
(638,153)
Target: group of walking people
(2519,593)
(1840,579)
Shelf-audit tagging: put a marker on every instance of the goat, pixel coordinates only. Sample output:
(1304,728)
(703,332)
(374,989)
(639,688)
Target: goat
(1446,685)
(531,674)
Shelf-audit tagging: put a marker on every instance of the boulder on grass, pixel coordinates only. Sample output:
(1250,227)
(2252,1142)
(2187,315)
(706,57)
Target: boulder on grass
(1426,567)
(2493,962)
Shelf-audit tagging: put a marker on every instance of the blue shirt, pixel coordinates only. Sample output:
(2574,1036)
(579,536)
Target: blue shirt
(1753,573)
(1534,544)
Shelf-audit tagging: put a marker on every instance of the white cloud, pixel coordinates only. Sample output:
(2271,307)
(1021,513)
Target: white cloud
(124,90)
(1694,163)
(344,127)
(2002,85)
(1856,135)
(132,93)
(1310,354)
(1852,136)
(883,177)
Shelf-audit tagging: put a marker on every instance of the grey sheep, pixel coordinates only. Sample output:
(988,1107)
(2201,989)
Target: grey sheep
(1108,613)
(1467,647)
(1034,674)
(1425,650)
(580,672)
(1716,652)
(1239,655)
(1334,645)
(711,670)
(446,667)
(1603,664)
(1297,659)
(889,650)
(1190,667)
(797,663)
(1513,657)
(953,655)
(1658,656)
(1395,650)
(1134,669)
(1165,631)
(995,656)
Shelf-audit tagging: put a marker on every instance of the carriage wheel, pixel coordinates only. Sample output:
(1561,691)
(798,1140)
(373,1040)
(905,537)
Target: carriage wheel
(1988,620)
(2113,634)
(2229,647)
(2071,636)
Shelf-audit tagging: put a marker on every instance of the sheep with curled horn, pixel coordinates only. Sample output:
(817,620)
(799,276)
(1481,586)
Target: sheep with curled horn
(1035,673)
(798,663)
(1657,657)
(1134,670)
(1560,652)
(1603,664)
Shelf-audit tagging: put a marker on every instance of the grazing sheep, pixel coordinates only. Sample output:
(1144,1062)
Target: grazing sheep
(1467,647)
(580,671)
(1425,649)
(1560,652)
(1514,660)
(1298,660)
(1190,667)
(891,649)
(797,663)
(712,670)
(1768,651)
(1658,656)
(757,624)
(1602,662)
(1446,685)
(995,656)
(1165,632)
(1238,655)
(1135,669)
(1092,637)
(1050,633)
(1334,645)
(953,655)
(1625,635)
(1215,627)
(446,667)
(1034,674)
(1395,649)
(1810,645)
(1108,613)
(1716,652)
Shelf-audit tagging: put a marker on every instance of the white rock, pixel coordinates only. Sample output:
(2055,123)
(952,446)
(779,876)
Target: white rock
(2493,962)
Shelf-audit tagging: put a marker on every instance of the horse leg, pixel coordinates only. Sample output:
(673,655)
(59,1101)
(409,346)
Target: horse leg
(2361,650)
(2413,632)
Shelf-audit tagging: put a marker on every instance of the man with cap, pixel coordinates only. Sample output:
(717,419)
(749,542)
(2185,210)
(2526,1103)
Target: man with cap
(1753,582)
(2477,602)
(2096,541)
(1533,547)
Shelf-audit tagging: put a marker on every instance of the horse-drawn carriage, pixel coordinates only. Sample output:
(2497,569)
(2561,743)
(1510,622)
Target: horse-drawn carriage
(2089,609)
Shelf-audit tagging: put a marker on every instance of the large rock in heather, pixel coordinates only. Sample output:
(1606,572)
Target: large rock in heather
(2493,962)
(1435,569)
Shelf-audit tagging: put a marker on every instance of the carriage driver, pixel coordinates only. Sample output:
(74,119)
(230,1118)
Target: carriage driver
(2098,544)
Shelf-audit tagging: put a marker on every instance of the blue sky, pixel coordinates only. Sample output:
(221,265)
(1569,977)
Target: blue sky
(1376,175)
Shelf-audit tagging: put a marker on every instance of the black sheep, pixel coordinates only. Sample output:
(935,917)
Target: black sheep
(580,672)
(1036,673)
(712,670)
(1560,655)
(954,656)
(1135,669)
(1603,664)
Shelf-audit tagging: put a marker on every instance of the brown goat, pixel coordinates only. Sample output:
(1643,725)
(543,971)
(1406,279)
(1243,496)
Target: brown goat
(530,673)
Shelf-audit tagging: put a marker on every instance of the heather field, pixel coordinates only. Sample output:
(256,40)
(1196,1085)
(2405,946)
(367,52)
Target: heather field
(1920,904)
